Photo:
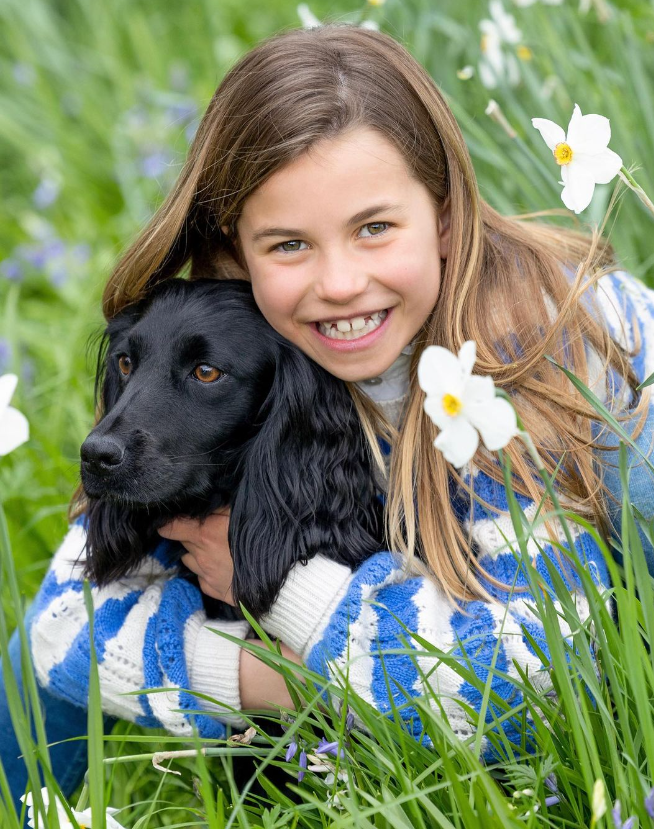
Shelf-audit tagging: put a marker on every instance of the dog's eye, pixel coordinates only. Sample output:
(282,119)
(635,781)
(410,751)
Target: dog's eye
(206,374)
(125,365)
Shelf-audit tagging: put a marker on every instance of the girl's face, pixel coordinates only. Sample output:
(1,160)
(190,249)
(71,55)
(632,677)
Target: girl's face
(338,235)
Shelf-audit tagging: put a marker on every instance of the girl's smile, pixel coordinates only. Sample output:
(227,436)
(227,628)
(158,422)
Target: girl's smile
(351,291)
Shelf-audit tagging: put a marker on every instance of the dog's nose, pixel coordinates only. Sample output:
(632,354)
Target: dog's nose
(101,452)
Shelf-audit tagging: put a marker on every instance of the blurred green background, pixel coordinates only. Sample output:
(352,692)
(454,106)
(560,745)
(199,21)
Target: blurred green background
(98,102)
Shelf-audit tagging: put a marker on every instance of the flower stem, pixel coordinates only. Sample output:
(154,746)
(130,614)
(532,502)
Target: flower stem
(629,180)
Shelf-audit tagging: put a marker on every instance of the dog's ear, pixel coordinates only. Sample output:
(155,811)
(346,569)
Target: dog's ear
(117,539)
(307,485)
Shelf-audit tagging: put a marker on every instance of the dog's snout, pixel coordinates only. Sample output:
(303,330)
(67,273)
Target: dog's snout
(102,452)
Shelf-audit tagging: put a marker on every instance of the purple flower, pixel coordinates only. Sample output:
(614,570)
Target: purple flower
(155,164)
(290,751)
(81,253)
(349,721)
(552,800)
(5,354)
(649,803)
(23,73)
(11,269)
(303,765)
(182,111)
(616,814)
(325,747)
(46,193)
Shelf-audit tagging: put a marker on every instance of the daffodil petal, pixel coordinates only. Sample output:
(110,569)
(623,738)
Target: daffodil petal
(579,189)
(14,430)
(603,167)
(439,371)
(588,133)
(458,442)
(467,357)
(498,425)
(8,384)
(552,133)
(479,391)
(433,407)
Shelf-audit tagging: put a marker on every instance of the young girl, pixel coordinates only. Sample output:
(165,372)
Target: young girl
(330,172)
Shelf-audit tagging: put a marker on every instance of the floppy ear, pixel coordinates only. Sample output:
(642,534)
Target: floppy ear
(116,540)
(307,485)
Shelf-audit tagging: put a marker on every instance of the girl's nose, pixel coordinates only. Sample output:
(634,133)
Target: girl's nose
(339,280)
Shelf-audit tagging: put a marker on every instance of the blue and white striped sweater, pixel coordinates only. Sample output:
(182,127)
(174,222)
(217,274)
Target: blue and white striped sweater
(151,630)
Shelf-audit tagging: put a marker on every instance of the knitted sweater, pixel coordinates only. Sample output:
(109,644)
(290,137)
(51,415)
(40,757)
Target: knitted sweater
(151,630)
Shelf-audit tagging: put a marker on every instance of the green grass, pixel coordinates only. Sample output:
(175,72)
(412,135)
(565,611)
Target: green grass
(93,96)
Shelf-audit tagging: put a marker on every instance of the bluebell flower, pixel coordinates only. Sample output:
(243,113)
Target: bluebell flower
(182,111)
(649,803)
(46,193)
(552,800)
(23,73)
(11,269)
(325,747)
(81,253)
(155,164)
(290,751)
(303,765)
(616,814)
(5,354)
(349,720)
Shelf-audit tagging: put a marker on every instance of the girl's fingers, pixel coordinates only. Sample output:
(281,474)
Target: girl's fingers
(188,559)
(180,529)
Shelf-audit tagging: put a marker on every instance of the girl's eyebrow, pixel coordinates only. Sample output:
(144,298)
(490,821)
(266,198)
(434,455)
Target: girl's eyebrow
(361,216)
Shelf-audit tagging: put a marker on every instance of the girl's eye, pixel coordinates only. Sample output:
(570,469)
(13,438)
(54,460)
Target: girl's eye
(124,365)
(206,374)
(279,248)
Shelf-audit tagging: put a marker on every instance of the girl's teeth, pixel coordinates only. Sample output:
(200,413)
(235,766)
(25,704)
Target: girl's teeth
(352,329)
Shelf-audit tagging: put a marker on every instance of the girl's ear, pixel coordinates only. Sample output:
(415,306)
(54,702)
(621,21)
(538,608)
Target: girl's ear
(307,485)
(444,215)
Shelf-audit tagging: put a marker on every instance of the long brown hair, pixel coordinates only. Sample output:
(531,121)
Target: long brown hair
(502,285)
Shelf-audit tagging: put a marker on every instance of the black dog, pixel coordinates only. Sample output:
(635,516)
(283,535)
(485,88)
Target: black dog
(206,405)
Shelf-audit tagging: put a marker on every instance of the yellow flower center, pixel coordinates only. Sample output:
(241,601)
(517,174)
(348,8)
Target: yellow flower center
(452,405)
(484,43)
(524,53)
(563,153)
(376,2)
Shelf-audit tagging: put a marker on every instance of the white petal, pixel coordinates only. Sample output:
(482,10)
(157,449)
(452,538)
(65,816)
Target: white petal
(552,133)
(458,442)
(603,167)
(487,75)
(588,133)
(8,384)
(478,393)
(498,425)
(14,430)
(433,407)
(467,357)
(579,189)
(439,372)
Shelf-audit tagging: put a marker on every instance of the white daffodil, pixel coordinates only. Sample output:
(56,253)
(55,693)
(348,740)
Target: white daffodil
(14,428)
(83,818)
(582,154)
(496,65)
(463,405)
(307,17)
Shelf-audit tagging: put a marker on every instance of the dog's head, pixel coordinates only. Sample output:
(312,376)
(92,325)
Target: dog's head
(206,404)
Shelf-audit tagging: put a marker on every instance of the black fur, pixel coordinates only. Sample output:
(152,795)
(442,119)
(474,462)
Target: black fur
(276,437)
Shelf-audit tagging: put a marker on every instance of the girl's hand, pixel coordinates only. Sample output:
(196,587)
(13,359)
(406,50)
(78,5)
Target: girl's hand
(208,555)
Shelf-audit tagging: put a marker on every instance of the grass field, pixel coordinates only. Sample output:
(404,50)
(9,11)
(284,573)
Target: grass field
(98,102)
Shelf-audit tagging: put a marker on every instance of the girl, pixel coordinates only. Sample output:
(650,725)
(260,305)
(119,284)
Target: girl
(330,172)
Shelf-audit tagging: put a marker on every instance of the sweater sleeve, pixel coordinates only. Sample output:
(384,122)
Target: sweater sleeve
(349,632)
(150,631)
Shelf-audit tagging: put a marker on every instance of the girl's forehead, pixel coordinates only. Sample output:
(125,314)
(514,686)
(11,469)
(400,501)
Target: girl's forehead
(339,173)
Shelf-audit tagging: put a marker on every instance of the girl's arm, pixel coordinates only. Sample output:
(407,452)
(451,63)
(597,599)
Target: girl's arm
(324,610)
(150,631)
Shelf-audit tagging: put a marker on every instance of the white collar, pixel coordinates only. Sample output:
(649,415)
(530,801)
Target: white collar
(392,383)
